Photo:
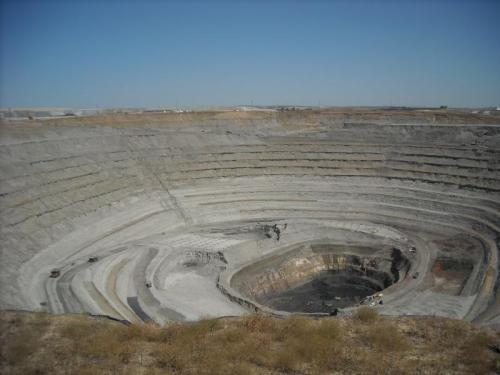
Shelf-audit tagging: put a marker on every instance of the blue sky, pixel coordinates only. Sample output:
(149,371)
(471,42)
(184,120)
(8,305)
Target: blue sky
(154,53)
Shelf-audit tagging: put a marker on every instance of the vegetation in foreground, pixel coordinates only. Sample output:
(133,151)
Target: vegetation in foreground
(35,343)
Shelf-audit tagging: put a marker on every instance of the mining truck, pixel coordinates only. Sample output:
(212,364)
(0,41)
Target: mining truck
(55,273)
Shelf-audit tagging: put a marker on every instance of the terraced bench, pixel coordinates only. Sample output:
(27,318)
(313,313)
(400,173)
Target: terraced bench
(175,211)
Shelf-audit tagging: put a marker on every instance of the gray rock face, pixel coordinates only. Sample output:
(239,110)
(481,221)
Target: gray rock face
(173,206)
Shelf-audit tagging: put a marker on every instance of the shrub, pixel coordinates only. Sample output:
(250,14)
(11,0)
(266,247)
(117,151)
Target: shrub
(366,314)
(475,353)
(76,329)
(293,326)
(285,360)
(330,328)
(21,347)
(255,344)
(258,323)
(386,337)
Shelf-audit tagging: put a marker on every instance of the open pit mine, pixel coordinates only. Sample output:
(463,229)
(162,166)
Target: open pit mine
(177,216)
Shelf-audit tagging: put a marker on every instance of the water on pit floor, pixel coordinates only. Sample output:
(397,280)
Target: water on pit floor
(322,294)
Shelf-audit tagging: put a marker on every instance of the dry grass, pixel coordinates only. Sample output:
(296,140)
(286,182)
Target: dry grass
(255,344)
(366,314)
(385,337)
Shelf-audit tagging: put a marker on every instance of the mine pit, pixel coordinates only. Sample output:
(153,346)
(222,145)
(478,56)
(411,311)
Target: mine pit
(179,216)
(327,290)
(322,280)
